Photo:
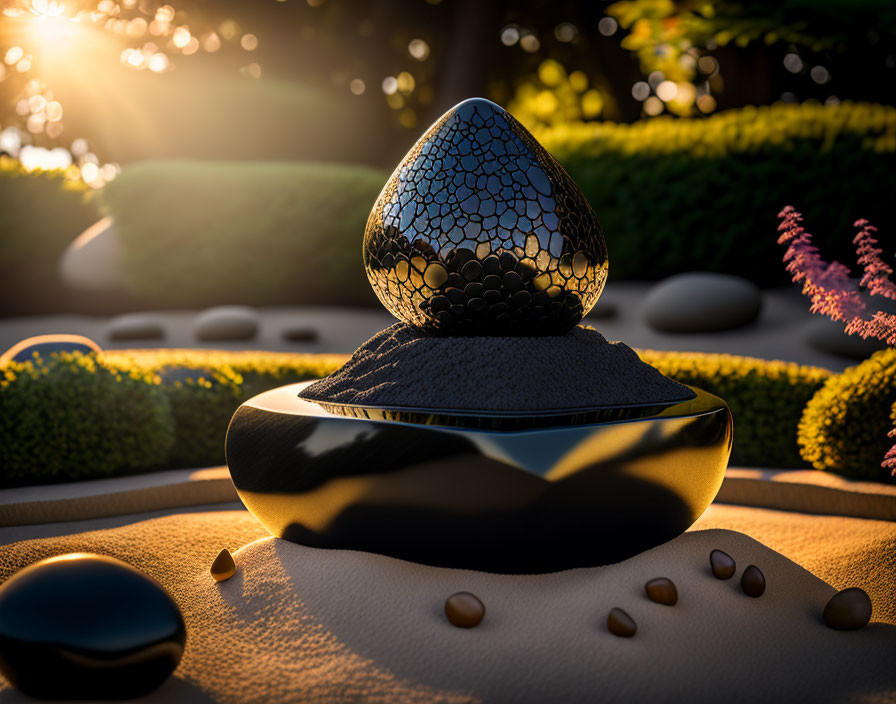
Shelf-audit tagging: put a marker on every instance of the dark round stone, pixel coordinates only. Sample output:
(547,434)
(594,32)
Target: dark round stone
(492,295)
(461,257)
(491,264)
(621,624)
(87,627)
(723,565)
(492,281)
(848,610)
(472,270)
(299,334)
(455,295)
(662,591)
(464,610)
(508,262)
(512,281)
(752,581)
(439,303)
(476,305)
(522,298)
(473,290)
(455,281)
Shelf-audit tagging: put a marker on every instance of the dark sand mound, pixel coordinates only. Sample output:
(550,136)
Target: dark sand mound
(402,367)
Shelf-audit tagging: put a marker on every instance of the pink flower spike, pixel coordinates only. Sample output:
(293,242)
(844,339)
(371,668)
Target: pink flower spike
(876,277)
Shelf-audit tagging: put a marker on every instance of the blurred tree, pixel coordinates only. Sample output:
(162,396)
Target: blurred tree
(354,80)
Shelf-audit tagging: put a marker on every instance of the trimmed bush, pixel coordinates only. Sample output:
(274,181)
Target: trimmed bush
(40,213)
(766,399)
(677,195)
(844,427)
(202,233)
(205,388)
(145,409)
(71,416)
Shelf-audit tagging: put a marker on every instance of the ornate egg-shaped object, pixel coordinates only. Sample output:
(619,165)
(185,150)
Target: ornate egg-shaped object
(479,231)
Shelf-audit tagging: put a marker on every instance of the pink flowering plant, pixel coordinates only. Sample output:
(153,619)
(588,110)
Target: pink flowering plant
(835,293)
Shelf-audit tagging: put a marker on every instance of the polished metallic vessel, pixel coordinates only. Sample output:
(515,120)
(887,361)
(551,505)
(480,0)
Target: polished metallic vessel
(510,493)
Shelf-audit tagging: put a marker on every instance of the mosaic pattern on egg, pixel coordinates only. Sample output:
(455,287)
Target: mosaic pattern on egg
(480,232)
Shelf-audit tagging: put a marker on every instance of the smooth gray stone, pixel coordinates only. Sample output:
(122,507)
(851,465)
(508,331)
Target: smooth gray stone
(227,323)
(93,261)
(701,302)
(300,333)
(136,326)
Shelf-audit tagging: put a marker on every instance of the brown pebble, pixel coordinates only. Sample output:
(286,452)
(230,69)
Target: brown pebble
(223,567)
(464,610)
(662,591)
(621,624)
(752,581)
(723,565)
(848,610)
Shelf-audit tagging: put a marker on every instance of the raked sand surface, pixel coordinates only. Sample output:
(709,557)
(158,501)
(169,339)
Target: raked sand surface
(299,624)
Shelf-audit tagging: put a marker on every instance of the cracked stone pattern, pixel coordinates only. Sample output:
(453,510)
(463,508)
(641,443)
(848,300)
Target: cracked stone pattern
(480,232)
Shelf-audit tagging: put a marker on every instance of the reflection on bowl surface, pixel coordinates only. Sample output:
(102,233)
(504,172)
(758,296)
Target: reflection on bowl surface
(455,493)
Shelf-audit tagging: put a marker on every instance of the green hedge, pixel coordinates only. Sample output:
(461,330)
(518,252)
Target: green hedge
(672,195)
(40,213)
(76,417)
(260,233)
(844,427)
(703,193)
(72,416)
(147,409)
(205,388)
(766,398)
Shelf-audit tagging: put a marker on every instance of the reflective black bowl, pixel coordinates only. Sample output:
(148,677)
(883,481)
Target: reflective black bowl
(510,493)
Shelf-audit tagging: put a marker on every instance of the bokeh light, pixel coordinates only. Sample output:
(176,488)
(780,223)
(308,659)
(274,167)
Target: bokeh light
(793,63)
(418,49)
(653,106)
(510,35)
(390,85)
(640,91)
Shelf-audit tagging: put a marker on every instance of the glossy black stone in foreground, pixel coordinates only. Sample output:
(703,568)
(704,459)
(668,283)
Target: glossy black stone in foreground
(480,232)
(497,492)
(85,626)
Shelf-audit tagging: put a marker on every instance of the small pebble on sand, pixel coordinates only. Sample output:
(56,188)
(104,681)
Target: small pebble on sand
(753,582)
(848,610)
(723,565)
(464,610)
(662,591)
(621,624)
(223,567)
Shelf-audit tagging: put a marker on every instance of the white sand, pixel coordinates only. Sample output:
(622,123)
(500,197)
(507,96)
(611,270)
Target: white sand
(298,624)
